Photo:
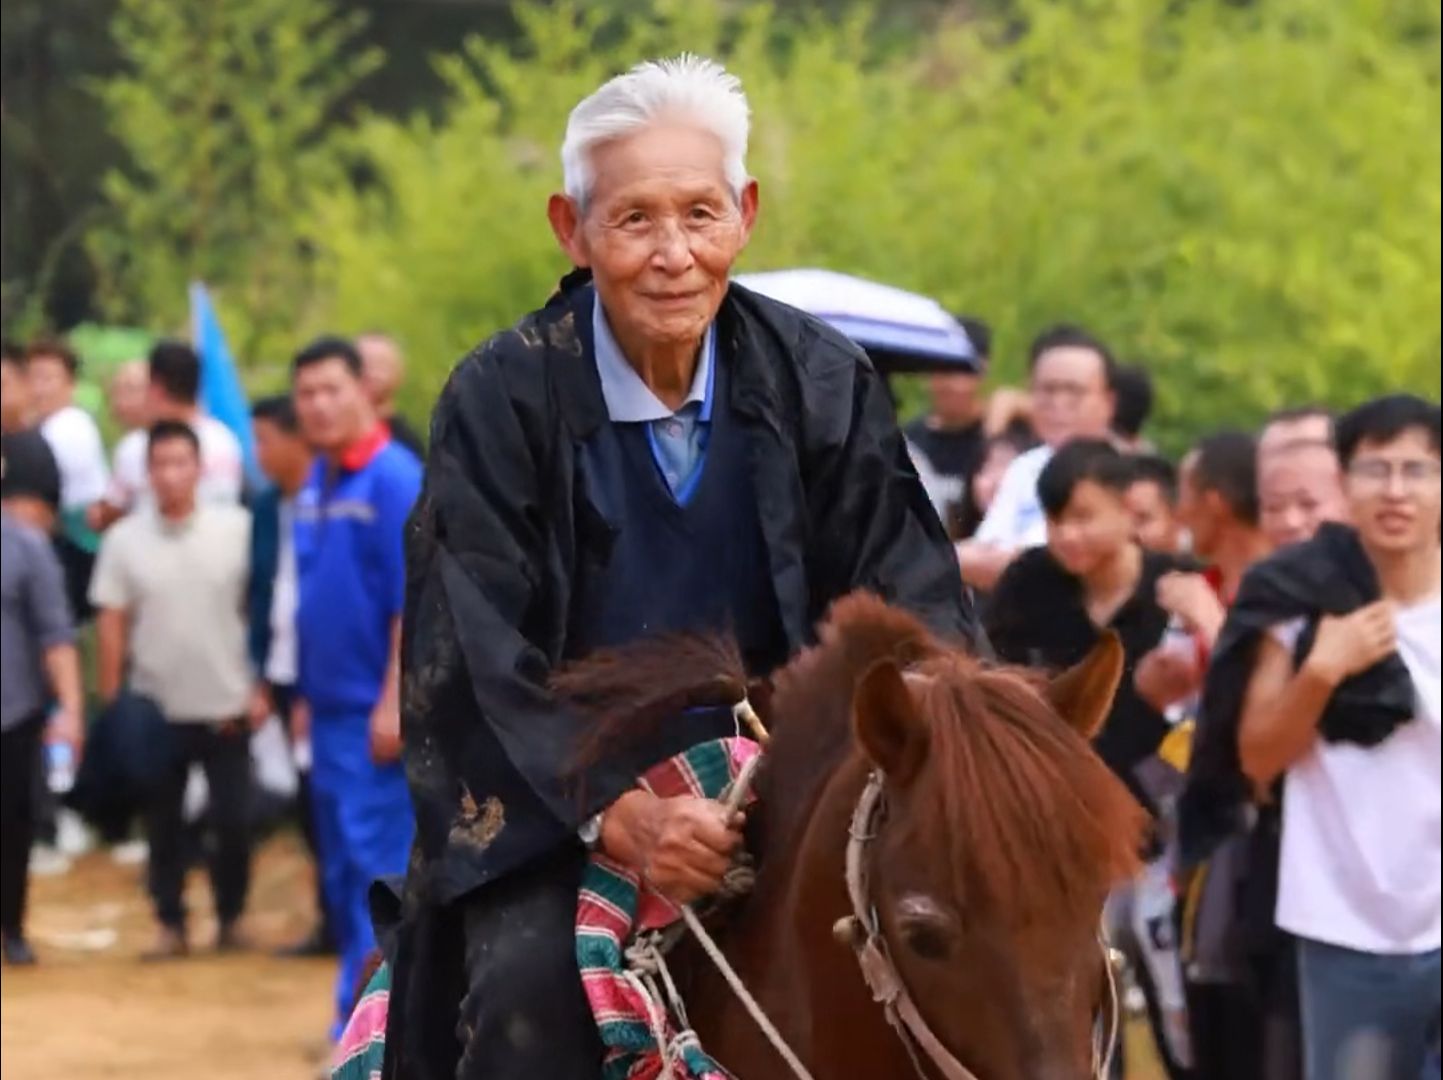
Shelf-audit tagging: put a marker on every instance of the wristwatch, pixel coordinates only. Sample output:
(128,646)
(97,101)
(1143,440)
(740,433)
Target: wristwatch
(590,832)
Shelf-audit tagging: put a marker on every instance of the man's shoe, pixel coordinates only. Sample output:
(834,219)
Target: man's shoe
(18,952)
(170,944)
(313,945)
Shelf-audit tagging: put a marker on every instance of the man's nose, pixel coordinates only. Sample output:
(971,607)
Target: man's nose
(673,248)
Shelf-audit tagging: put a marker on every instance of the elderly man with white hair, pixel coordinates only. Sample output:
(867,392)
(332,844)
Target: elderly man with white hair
(654,451)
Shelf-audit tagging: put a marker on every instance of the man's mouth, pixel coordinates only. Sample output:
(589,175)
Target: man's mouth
(673,299)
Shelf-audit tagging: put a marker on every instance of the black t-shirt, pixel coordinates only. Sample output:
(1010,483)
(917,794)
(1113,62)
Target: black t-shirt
(1038,616)
(951,451)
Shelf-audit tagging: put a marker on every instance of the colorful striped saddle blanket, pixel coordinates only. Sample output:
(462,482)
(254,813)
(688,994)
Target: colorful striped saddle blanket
(359,1054)
(614,906)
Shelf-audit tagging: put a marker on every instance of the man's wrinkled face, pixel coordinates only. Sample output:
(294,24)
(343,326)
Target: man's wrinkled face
(1070,395)
(52,387)
(174,468)
(331,405)
(1394,492)
(1299,488)
(660,232)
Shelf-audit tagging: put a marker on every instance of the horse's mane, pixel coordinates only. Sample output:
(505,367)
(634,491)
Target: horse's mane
(1012,799)
(1005,781)
(1028,813)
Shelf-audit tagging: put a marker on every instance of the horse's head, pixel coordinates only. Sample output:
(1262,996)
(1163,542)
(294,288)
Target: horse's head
(1000,836)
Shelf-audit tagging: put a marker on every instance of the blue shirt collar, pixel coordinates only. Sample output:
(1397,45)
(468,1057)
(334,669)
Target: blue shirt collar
(628,399)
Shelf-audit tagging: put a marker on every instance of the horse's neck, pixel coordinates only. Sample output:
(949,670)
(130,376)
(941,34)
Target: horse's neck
(784,949)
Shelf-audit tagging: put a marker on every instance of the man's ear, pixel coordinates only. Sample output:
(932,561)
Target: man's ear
(1082,695)
(750,206)
(888,724)
(565,218)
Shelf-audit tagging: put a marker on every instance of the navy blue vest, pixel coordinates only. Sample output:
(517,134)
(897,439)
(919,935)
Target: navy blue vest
(671,568)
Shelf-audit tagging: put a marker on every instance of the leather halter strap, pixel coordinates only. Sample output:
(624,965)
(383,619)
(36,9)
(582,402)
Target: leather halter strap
(864,932)
(880,973)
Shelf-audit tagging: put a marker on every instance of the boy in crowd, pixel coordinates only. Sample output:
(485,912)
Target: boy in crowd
(1359,877)
(38,665)
(1049,609)
(170,588)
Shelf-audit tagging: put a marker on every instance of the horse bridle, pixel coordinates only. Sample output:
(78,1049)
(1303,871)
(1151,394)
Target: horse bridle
(863,931)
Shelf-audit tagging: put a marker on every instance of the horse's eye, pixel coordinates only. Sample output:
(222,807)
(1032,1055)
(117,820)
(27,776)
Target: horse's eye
(927,929)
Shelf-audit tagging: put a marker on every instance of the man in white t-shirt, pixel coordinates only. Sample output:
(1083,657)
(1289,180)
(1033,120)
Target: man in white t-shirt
(1072,376)
(170,589)
(1361,872)
(173,394)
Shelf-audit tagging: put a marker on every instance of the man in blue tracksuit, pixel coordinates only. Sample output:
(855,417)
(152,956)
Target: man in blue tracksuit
(349,520)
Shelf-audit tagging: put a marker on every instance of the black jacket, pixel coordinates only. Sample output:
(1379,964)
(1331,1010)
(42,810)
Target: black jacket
(1038,616)
(1328,575)
(503,523)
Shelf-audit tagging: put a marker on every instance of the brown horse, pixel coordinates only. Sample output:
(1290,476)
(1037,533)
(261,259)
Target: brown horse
(1003,833)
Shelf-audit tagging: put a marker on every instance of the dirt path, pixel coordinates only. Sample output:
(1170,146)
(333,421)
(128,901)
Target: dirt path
(91,1009)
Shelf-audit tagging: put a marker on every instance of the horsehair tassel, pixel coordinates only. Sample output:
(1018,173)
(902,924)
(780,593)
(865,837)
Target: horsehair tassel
(744,712)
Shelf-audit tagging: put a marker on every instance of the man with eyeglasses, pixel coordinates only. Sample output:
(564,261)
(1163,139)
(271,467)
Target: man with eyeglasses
(1344,707)
(1073,377)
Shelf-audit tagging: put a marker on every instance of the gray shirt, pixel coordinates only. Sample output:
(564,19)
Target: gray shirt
(34,617)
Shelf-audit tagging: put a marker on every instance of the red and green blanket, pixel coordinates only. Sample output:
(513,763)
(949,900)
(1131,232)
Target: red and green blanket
(359,1054)
(615,905)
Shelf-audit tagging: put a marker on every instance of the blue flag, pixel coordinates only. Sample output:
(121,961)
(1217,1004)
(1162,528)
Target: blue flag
(221,392)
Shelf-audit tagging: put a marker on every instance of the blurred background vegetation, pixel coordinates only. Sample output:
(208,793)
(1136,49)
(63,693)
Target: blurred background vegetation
(1243,194)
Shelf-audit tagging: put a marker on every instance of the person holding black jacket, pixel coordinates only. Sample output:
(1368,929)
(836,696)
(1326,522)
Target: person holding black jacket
(1343,704)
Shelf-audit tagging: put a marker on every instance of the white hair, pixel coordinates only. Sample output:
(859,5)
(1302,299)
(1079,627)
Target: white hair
(689,86)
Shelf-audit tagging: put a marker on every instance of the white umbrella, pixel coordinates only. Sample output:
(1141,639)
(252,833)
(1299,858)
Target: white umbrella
(901,331)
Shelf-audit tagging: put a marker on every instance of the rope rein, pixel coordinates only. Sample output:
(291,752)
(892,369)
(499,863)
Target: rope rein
(646,957)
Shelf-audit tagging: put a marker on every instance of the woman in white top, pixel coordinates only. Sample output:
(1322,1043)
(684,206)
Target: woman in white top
(1361,874)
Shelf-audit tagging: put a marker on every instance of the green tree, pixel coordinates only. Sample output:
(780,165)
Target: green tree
(227,112)
(1244,196)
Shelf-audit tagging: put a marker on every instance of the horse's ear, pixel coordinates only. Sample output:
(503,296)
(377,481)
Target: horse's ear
(888,724)
(1083,694)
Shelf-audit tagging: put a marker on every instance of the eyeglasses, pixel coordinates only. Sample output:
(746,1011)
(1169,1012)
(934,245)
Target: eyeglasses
(1378,473)
(1070,393)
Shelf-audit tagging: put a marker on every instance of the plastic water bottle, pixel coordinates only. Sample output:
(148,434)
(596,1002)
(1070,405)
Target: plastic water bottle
(1178,640)
(59,767)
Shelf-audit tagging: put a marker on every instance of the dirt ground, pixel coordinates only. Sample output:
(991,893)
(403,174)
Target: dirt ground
(92,1010)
